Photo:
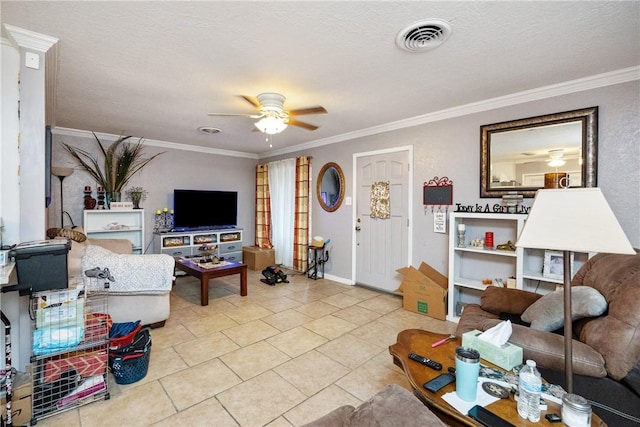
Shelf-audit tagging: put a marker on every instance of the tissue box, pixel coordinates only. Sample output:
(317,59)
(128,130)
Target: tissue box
(506,357)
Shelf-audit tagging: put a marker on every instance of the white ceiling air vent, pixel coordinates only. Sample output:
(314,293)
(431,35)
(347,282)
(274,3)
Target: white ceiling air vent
(423,35)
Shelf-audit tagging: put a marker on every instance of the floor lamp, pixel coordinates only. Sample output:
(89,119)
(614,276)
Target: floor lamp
(572,220)
(61,173)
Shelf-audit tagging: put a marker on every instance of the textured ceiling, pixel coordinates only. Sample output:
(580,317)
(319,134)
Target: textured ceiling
(155,69)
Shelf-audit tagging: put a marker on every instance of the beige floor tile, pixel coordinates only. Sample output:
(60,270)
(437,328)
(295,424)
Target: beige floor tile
(328,287)
(361,293)
(357,315)
(279,304)
(209,412)
(317,309)
(254,359)
(276,344)
(330,327)
(377,333)
(286,320)
(251,332)
(340,300)
(162,362)
(65,419)
(308,295)
(248,313)
(261,399)
(177,302)
(280,422)
(349,350)
(138,406)
(199,350)
(402,319)
(297,341)
(181,315)
(320,404)
(382,303)
(209,325)
(312,372)
(170,335)
(193,385)
(215,306)
(368,379)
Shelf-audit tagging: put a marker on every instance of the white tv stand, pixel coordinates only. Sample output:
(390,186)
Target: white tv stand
(186,243)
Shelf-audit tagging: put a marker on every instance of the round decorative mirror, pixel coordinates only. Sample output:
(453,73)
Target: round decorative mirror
(330,187)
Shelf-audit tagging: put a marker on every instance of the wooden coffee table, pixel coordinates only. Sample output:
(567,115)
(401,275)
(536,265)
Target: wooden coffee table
(194,269)
(419,341)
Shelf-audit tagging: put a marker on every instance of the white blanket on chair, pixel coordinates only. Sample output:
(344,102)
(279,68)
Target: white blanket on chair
(132,274)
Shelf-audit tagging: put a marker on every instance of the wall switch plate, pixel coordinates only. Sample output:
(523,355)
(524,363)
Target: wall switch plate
(32,60)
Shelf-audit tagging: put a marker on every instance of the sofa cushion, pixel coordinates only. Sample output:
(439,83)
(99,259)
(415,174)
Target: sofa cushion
(547,313)
(507,300)
(393,406)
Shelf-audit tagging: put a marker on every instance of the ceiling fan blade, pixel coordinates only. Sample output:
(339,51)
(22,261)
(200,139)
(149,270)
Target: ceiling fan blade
(253,116)
(309,110)
(300,124)
(251,100)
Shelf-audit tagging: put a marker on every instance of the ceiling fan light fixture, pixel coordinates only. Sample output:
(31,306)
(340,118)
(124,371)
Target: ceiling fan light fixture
(556,159)
(271,124)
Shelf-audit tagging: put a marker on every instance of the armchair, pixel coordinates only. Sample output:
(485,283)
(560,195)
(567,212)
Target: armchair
(606,349)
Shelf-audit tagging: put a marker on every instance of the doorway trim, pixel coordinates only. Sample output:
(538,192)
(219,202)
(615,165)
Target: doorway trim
(354,214)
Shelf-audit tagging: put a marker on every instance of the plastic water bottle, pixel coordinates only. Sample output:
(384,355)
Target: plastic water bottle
(529,390)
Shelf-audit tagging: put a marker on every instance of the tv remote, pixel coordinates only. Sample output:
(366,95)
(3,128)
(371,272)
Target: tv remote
(425,361)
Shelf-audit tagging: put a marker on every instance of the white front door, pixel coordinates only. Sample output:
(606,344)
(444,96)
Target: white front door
(382,245)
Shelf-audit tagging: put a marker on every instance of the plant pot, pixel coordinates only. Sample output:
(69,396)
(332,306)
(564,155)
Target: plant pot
(113,197)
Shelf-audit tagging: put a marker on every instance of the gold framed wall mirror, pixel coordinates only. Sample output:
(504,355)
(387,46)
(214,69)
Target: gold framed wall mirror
(330,187)
(516,155)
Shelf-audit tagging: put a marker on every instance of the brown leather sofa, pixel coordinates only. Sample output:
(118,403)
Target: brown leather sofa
(606,349)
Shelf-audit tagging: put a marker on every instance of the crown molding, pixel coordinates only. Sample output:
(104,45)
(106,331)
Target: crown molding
(30,39)
(587,83)
(578,85)
(153,143)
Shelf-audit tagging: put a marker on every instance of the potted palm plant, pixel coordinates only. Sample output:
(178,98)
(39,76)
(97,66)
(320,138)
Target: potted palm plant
(121,160)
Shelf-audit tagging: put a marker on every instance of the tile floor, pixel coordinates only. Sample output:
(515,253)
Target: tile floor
(282,356)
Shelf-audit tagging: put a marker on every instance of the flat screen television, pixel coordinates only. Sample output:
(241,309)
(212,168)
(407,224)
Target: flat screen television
(203,209)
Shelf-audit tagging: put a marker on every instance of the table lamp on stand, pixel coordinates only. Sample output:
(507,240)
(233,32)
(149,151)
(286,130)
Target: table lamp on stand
(572,220)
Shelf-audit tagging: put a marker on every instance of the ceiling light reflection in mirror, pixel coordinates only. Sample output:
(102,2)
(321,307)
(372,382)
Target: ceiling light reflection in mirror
(520,158)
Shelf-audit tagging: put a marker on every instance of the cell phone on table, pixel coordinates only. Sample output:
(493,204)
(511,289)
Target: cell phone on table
(438,382)
(488,418)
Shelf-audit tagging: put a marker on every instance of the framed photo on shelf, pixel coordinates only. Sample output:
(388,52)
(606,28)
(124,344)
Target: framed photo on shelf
(553,266)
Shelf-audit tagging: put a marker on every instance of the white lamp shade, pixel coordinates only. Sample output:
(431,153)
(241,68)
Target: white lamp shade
(573,219)
(61,171)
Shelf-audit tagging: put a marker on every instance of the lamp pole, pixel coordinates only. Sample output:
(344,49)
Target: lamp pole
(61,173)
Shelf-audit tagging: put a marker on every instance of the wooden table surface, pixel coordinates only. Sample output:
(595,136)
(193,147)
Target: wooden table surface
(419,341)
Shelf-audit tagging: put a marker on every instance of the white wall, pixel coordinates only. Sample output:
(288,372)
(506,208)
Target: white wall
(171,170)
(451,148)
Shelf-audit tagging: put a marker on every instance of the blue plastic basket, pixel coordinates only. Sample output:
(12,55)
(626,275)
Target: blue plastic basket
(130,370)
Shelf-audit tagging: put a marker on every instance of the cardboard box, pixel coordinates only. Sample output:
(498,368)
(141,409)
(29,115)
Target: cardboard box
(506,357)
(258,258)
(20,402)
(424,291)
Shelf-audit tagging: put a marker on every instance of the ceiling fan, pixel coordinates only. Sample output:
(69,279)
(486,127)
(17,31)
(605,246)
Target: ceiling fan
(273,117)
